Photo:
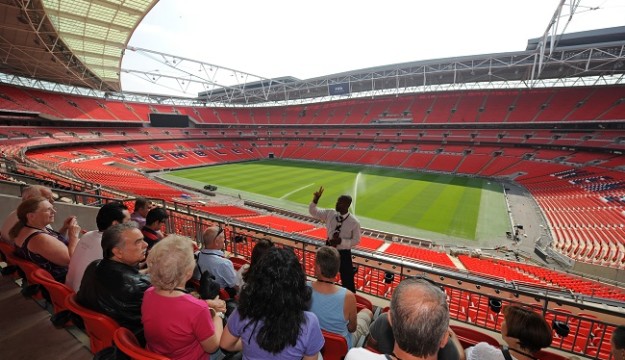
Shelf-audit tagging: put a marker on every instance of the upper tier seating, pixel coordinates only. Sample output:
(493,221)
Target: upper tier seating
(535,105)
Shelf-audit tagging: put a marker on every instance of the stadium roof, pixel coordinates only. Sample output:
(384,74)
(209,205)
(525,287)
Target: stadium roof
(585,58)
(81,43)
(78,43)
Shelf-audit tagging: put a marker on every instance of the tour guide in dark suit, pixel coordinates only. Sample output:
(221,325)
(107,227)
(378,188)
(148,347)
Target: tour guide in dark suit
(343,233)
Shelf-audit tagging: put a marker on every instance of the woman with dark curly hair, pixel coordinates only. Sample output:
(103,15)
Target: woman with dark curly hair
(271,321)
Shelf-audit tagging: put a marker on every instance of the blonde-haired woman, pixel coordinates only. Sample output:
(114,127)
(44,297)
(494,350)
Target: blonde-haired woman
(176,324)
(38,243)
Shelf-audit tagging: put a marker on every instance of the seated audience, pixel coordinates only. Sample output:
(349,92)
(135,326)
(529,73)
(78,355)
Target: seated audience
(420,321)
(524,332)
(38,243)
(271,321)
(29,193)
(89,248)
(114,286)
(259,249)
(618,342)
(142,207)
(153,223)
(213,259)
(177,324)
(334,306)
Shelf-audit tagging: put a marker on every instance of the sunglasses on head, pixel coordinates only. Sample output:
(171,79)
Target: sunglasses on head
(219,231)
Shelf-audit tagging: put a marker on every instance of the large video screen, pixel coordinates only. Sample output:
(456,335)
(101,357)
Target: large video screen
(338,89)
(169,120)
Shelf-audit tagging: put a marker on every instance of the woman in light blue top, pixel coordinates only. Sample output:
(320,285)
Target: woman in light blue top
(334,306)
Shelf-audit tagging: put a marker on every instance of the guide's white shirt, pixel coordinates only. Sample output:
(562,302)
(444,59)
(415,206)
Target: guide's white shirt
(350,230)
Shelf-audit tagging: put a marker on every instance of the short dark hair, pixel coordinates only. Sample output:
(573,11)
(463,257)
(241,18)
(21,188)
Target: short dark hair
(113,211)
(618,337)
(328,260)
(141,202)
(345,198)
(156,214)
(420,322)
(112,237)
(530,328)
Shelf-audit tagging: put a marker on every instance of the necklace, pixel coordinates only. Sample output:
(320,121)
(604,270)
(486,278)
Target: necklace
(36,228)
(326,281)
(181,290)
(395,356)
(522,353)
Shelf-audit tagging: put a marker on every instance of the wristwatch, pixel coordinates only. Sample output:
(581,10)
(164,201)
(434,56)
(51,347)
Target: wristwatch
(218,313)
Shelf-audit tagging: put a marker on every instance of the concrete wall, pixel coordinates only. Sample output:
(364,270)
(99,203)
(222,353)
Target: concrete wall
(85,214)
(600,271)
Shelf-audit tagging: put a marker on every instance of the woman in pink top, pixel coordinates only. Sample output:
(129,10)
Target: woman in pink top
(176,324)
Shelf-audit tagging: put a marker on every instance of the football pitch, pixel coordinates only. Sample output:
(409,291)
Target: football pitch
(435,206)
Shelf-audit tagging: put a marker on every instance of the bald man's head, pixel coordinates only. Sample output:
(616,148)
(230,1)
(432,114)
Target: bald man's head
(419,317)
(214,238)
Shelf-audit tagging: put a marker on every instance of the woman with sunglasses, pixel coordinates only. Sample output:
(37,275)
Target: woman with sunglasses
(38,243)
(524,332)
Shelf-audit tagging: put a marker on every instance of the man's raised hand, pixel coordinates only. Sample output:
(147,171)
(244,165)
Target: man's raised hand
(317,194)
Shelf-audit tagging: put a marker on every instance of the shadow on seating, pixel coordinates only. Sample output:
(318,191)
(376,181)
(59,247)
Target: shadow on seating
(57,294)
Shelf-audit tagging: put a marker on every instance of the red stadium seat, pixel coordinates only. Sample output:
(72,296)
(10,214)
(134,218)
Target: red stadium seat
(126,341)
(469,337)
(335,347)
(58,293)
(99,327)
(363,303)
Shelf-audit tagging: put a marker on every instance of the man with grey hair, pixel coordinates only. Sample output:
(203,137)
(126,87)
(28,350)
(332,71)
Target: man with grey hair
(30,192)
(419,317)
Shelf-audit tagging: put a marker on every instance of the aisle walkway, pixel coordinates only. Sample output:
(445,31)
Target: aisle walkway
(27,333)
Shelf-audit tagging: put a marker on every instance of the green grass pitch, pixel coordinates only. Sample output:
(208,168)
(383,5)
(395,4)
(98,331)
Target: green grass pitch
(442,204)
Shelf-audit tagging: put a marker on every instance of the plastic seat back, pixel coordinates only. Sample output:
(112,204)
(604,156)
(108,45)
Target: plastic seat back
(237,262)
(127,342)
(335,347)
(469,337)
(58,292)
(99,327)
(27,267)
(363,303)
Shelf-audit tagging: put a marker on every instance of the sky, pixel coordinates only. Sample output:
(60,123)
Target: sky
(275,38)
